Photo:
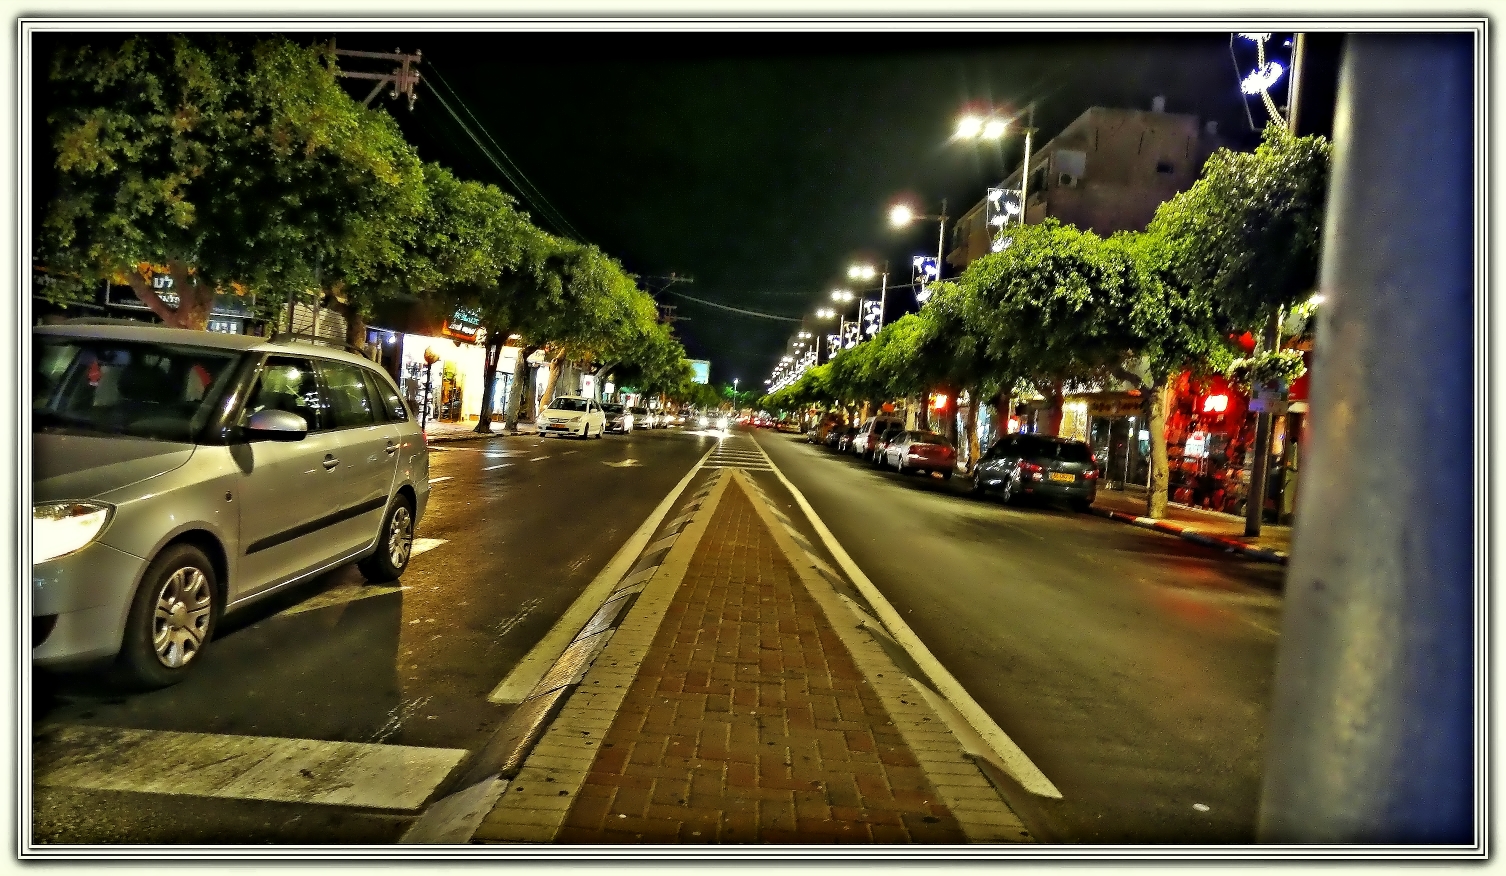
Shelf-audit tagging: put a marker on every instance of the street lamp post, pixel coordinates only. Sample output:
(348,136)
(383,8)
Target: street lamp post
(866,272)
(992,127)
(901,215)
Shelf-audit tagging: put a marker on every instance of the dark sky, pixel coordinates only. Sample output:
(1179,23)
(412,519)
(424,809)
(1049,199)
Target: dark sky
(761,165)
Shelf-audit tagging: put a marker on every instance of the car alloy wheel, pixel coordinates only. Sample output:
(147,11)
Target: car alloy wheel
(394,548)
(180,624)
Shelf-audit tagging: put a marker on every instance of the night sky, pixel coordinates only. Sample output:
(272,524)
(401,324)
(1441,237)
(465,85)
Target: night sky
(762,165)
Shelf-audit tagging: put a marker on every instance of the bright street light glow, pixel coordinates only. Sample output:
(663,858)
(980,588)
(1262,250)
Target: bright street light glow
(841,295)
(994,129)
(968,127)
(900,215)
(861,272)
(1262,79)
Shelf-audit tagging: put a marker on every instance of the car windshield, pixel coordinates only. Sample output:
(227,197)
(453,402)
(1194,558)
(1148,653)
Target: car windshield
(638,412)
(142,390)
(568,404)
(612,409)
(928,438)
(1066,451)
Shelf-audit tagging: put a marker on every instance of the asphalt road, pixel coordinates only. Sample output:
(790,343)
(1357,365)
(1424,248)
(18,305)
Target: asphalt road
(1133,668)
(525,525)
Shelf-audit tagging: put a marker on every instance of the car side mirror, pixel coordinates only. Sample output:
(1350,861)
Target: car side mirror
(275,425)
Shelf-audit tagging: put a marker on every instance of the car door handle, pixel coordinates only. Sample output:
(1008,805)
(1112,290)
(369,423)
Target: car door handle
(330,462)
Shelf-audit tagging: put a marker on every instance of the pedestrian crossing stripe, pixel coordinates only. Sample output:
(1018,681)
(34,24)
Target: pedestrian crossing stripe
(265,768)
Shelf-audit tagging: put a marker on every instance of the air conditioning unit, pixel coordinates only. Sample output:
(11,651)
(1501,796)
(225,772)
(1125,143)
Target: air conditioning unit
(1067,180)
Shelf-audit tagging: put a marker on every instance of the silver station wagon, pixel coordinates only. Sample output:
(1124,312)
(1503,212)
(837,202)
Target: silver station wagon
(177,475)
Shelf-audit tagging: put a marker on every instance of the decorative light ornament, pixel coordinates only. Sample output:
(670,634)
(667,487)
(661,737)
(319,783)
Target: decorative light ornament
(1256,38)
(1262,78)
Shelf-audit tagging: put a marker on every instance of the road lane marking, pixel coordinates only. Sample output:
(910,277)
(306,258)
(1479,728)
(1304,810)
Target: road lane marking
(528,671)
(626,463)
(440,480)
(424,545)
(539,458)
(568,452)
(393,777)
(495,467)
(1009,755)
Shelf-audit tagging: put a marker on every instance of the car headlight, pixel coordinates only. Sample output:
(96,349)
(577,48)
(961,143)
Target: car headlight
(60,528)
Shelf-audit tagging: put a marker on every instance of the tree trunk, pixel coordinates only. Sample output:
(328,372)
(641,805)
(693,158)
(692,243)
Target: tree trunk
(975,398)
(1054,413)
(515,397)
(494,345)
(355,328)
(194,299)
(556,365)
(1255,498)
(1160,400)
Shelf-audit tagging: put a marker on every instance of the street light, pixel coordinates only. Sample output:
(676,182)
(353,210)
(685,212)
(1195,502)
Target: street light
(902,215)
(991,127)
(866,272)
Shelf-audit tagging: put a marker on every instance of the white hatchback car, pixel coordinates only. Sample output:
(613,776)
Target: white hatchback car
(573,415)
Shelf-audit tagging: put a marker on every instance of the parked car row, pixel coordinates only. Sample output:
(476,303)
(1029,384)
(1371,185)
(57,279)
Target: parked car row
(588,418)
(1045,466)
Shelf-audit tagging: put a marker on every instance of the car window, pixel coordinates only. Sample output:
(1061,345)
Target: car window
(612,409)
(1044,448)
(288,384)
(348,404)
(928,438)
(392,402)
(568,404)
(142,390)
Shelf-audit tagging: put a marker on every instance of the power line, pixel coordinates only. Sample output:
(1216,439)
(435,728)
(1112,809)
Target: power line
(536,198)
(734,309)
(500,151)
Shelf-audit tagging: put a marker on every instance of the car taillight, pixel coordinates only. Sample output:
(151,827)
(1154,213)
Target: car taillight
(1029,467)
(1090,473)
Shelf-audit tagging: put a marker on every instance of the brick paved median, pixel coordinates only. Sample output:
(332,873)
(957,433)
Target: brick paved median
(749,722)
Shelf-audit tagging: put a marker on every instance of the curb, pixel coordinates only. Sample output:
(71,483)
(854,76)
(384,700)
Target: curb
(1193,535)
(472,436)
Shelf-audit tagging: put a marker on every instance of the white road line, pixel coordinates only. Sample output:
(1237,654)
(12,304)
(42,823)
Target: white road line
(568,452)
(526,674)
(439,480)
(1009,754)
(394,777)
(495,467)
(424,545)
(339,595)
(538,458)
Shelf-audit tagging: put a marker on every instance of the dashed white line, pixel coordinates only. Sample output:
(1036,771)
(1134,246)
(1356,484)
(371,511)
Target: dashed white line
(539,458)
(440,480)
(495,467)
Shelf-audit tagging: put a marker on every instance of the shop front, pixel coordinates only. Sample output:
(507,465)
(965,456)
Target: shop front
(1115,422)
(1209,431)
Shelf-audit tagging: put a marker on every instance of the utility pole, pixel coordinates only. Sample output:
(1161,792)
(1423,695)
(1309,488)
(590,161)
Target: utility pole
(884,290)
(1025,171)
(941,241)
(1381,704)
(403,79)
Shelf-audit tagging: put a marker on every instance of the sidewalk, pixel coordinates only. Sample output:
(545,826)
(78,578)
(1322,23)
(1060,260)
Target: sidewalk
(741,700)
(437,431)
(1212,528)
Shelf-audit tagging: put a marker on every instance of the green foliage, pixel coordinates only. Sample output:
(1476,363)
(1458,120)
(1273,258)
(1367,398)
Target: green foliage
(1282,367)
(1247,234)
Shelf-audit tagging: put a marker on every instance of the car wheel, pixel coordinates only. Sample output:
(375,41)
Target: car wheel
(1006,492)
(946,475)
(976,488)
(900,467)
(394,544)
(172,618)
(1081,506)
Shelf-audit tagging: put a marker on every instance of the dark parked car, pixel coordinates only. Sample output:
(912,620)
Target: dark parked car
(844,439)
(1039,465)
(920,451)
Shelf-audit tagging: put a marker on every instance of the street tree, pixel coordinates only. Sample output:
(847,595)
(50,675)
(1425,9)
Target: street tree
(1052,304)
(227,164)
(1247,234)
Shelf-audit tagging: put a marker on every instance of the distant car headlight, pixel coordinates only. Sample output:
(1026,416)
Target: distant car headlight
(704,422)
(721,424)
(60,528)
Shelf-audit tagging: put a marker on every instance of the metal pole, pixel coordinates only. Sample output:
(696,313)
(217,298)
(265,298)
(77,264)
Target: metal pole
(1025,173)
(1376,715)
(941,241)
(1261,454)
(883,295)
